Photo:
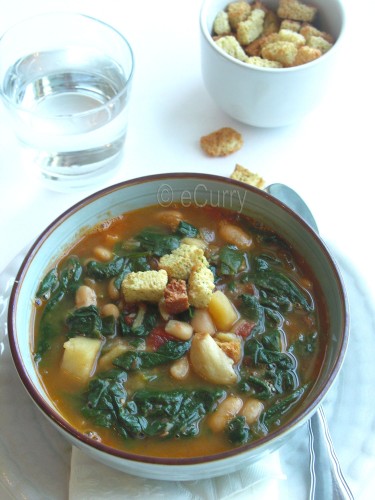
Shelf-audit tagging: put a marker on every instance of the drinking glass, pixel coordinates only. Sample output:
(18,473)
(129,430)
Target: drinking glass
(65,79)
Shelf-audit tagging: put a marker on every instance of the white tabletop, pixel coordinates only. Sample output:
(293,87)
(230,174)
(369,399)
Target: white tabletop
(328,158)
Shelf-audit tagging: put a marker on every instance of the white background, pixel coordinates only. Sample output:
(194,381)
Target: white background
(328,158)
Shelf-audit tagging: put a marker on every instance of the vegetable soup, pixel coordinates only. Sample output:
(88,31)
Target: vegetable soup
(179,333)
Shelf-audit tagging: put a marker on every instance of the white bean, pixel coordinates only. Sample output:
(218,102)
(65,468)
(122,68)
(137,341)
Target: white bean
(171,218)
(226,410)
(179,329)
(102,253)
(180,368)
(195,241)
(202,322)
(85,296)
(113,292)
(251,410)
(110,310)
(235,235)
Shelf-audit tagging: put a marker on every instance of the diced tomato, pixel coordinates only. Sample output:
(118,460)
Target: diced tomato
(129,320)
(157,337)
(243,329)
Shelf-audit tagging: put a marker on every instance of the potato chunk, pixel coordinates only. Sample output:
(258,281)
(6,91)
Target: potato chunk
(209,361)
(222,311)
(80,354)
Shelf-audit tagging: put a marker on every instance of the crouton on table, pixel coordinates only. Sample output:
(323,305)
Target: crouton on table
(222,142)
(242,174)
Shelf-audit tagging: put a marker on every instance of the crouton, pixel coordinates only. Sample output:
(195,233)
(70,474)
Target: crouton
(144,286)
(289,24)
(238,12)
(283,52)
(271,23)
(251,29)
(230,344)
(223,142)
(181,261)
(230,45)
(263,63)
(296,10)
(255,27)
(200,286)
(307,30)
(244,175)
(221,24)
(291,36)
(306,54)
(176,297)
(318,42)
(255,48)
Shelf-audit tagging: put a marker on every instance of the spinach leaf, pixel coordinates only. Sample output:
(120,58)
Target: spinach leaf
(136,360)
(251,308)
(279,288)
(260,355)
(282,406)
(231,259)
(158,242)
(238,431)
(187,230)
(104,270)
(175,413)
(264,262)
(50,325)
(259,388)
(85,321)
(305,345)
(149,322)
(106,404)
(281,380)
(69,278)
(70,274)
(48,285)
(272,340)
(149,413)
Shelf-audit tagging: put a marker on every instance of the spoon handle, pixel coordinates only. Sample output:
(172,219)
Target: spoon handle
(327,479)
(324,464)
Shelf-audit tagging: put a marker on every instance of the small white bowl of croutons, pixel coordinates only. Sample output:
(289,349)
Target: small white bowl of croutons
(266,63)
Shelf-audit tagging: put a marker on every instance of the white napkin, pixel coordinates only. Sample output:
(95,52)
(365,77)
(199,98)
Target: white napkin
(90,480)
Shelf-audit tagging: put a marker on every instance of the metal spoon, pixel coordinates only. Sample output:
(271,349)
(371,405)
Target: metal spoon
(327,479)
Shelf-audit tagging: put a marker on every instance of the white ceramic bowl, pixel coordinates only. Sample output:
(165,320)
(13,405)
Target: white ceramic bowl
(267,97)
(162,190)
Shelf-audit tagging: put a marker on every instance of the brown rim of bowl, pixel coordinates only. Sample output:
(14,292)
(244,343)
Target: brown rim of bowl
(63,424)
